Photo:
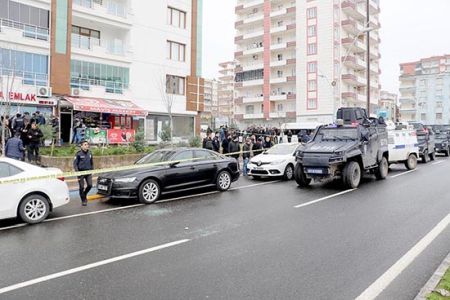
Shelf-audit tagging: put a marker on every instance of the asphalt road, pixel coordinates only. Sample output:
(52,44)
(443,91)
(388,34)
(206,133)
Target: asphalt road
(260,240)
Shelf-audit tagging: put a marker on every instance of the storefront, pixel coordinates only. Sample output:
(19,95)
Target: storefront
(183,127)
(19,102)
(100,121)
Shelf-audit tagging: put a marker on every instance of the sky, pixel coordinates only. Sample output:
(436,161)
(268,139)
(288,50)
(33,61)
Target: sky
(410,30)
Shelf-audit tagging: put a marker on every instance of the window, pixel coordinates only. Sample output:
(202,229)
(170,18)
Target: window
(250,75)
(423,117)
(175,85)
(176,51)
(312,104)
(280,107)
(439,104)
(249,109)
(23,13)
(312,30)
(312,49)
(202,155)
(33,68)
(311,13)
(176,17)
(438,116)
(312,67)
(312,85)
(7,170)
(185,156)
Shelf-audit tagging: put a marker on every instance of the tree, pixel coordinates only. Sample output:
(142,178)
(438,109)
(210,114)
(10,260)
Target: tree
(164,86)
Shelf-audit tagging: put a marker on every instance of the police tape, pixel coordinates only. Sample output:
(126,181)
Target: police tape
(112,169)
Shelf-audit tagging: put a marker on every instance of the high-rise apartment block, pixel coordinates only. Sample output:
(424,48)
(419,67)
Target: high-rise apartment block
(425,90)
(211,100)
(106,62)
(298,61)
(226,93)
(388,106)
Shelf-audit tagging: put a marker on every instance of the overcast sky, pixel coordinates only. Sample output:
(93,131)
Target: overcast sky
(411,29)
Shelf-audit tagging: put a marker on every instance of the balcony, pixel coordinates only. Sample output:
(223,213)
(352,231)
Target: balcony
(283,96)
(354,62)
(85,45)
(282,28)
(247,6)
(282,12)
(354,80)
(351,8)
(252,34)
(253,116)
(109,13)
(254,82)
(26,78)
(98,88)
(254,99)
(352,26)
(353,45)
(277,115)
(249,19)
(252,66)
(374,7)
(252,51)
(24,34)
(408,99)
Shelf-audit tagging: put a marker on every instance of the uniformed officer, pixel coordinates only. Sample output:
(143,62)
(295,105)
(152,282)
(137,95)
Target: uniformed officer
(84,162)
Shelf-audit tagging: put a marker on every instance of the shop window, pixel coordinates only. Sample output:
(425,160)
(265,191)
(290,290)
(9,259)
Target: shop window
(175,85)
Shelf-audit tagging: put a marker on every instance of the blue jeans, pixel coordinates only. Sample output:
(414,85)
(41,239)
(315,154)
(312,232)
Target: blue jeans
(245,169)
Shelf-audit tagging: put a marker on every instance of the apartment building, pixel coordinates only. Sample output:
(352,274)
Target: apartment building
(425,90)
(211,102)
(226,94)
(298,61)
(388,106)
(110,63)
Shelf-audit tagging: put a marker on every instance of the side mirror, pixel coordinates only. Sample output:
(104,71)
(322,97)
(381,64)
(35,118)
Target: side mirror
(174,164)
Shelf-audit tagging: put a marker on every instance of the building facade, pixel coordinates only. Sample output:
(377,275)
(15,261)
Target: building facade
(425,90)
(298,61)
(115,63)
(226,94)
(388,106)
(211,100)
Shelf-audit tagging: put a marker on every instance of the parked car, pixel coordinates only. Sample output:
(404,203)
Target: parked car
(274,162)
(177,170)
(403,147)
(32,200)
(442,142)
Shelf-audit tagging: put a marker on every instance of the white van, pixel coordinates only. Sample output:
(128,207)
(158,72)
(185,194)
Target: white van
(403,147)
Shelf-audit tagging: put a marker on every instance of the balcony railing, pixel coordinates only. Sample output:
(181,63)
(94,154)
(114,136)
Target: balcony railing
(28,78)
(86,84)
(29,31)
(112,8)
(89,43)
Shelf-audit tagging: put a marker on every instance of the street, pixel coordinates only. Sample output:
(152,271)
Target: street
(260,240)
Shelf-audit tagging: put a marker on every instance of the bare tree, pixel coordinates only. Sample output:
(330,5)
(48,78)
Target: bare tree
(167,94)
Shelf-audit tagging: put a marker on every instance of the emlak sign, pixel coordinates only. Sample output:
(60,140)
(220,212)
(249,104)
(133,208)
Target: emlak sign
(22,97)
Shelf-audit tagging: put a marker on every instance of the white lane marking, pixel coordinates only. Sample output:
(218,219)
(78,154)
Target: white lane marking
(438,162)
(384,280)
(404,173)
(135,205)
(87,267)
(324,198)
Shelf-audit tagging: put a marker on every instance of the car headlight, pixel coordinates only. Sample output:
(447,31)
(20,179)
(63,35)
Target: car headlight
(125,180)
(277,162)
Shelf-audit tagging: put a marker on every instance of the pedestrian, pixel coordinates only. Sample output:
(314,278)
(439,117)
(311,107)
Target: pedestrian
(35,136)
(267,143)
(234,149)
(208,143)
(84,162)
(246,156)
(14,147)
(257,147)
(289,136)
(55,129)
(26,140)
(216,144)
(40,120)
(226,144)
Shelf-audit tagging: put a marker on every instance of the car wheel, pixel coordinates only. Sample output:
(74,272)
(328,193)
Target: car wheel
(223,181)
(433,156)
(149,191)
(300,176)
(425,157)
(411,163)
(382,171)
(34,209)
(352,175)
(288,172)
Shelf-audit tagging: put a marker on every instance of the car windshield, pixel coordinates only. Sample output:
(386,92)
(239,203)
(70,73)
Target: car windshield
(338,134)
(282,149)
(156,157)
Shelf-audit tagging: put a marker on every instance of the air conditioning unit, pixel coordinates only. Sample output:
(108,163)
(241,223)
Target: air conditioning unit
(44,91)
(75,92)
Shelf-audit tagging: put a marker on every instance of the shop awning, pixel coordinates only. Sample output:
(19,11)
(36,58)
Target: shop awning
(119,107)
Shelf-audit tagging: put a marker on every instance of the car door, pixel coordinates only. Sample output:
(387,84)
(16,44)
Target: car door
(182,174)
(10,191)
(206,164)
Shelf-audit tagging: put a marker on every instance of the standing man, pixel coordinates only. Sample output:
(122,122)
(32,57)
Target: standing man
(246,156)
(34,135)
(40,118)
(84,162)
(234,149)
(289,136)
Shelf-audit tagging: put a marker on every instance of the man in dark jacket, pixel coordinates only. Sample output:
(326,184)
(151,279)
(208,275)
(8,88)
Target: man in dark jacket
(208,143)
(84,162)
(18,124)
(226,144)
(216,144)
(14,147)
(34,135)
(246,156)
(234,149)
(257,147)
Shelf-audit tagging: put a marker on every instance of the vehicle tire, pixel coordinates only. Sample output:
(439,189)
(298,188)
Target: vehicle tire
(425,157)
(149,191)
(411,162)
(433,156)
(352,175)
(300,176)
(223,181)
(34,209)
(383,168)
(288,172)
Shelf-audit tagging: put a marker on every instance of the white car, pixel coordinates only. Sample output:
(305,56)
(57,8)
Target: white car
(274,162)
(403,147)
(31,200)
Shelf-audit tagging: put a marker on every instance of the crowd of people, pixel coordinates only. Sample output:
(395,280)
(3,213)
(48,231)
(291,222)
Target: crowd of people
(23,137)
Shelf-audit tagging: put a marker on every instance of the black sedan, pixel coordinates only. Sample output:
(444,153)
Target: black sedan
(177,169)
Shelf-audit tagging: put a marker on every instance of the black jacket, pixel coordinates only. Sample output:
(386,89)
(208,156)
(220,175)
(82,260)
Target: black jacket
(225,144)
(83,161)
(35,135)
(257,148)
(234,148)
(246,151)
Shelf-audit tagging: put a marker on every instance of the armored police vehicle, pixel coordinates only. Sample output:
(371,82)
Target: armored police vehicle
(442,139)
(426,139)
(345,151)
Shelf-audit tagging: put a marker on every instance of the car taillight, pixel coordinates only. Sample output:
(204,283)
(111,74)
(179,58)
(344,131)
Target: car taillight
(355,124)
(61,178)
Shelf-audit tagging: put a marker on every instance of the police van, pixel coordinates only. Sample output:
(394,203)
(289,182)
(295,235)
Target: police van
(403,145)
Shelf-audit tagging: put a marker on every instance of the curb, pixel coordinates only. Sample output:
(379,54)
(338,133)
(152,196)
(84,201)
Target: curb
(434,280)
(95,197)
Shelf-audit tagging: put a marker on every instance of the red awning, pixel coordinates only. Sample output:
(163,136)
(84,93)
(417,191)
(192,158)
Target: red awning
(119,107)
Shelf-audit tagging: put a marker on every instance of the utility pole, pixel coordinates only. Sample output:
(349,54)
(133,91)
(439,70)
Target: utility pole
(368,56)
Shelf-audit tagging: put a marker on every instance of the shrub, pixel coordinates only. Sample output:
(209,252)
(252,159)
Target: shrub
(139,141)
(195,141)
(165,133)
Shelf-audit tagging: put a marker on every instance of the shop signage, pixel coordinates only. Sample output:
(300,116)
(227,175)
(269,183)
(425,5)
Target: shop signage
(96,136)
(17,97)
(121,136)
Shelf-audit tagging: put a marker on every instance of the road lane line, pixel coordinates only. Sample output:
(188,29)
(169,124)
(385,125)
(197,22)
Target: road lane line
(375,289)
(89,266)
(404,173)
(324,198)
(438,162)
(133,206)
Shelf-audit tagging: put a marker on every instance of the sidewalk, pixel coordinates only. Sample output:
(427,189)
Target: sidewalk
(434,289)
